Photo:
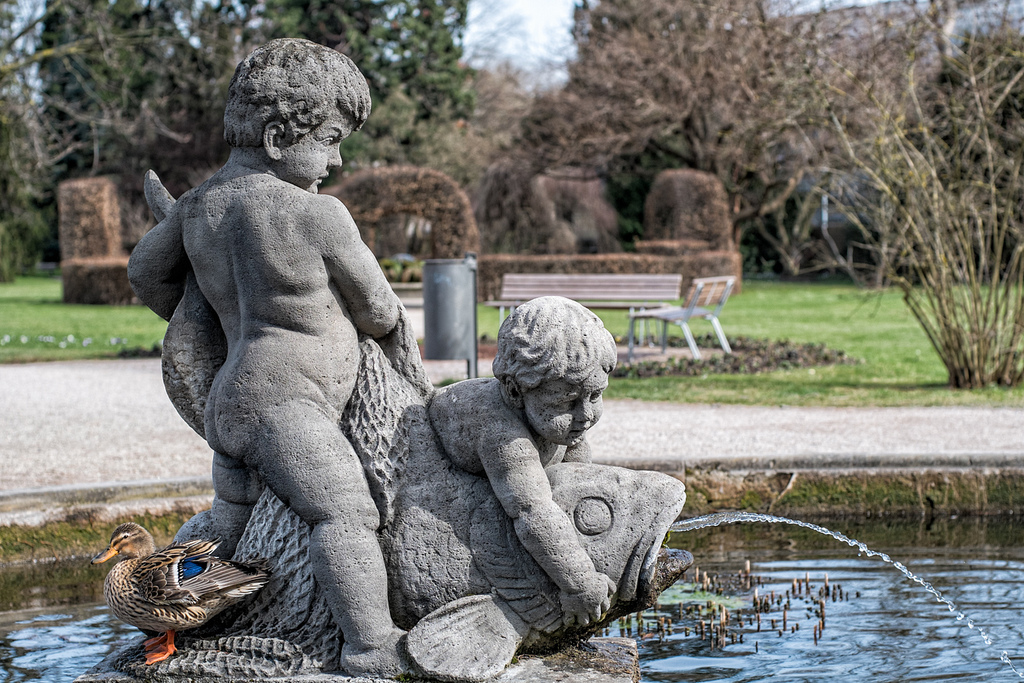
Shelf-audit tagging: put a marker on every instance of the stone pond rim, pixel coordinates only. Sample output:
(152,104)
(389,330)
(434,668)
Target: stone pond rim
(828,486)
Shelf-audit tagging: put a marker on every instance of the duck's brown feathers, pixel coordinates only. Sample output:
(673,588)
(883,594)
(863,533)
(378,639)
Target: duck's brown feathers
(152,592)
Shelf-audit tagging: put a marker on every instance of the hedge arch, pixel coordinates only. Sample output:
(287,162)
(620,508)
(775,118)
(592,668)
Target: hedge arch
(376,193)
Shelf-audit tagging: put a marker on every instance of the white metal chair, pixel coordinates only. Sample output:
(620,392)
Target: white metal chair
(705,292)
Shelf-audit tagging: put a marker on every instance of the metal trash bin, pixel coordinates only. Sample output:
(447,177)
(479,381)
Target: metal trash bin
(449,310)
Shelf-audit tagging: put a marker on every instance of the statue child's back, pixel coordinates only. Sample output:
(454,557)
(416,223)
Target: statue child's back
(256,245)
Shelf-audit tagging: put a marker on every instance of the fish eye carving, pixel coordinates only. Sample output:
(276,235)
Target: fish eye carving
(592,516)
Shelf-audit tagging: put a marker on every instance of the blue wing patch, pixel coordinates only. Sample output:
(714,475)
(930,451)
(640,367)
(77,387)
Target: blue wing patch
(190,569)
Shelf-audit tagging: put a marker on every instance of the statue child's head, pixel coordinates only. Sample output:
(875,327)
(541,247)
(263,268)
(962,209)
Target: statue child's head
(291,89)
(553,361)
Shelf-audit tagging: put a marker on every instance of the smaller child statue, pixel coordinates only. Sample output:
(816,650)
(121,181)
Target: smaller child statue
(293,287)
(552,366)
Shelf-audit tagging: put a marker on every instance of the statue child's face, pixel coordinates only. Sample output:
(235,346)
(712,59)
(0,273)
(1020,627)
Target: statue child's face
(561,411)
(307,161)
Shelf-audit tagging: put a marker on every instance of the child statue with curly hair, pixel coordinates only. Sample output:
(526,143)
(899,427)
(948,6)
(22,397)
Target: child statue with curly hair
(293,287)
(553,361)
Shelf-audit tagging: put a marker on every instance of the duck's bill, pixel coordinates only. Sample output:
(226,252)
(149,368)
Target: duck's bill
(104,556)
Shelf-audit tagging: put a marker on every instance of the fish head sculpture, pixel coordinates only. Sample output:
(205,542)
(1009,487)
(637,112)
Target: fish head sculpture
(621,518)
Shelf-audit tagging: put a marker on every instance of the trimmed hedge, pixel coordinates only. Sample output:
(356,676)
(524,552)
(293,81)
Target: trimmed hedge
(373,194)
(94,267)
(89,219)
(686,204)
(97,281)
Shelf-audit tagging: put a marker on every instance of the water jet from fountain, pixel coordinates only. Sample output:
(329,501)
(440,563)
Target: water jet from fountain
(719,518)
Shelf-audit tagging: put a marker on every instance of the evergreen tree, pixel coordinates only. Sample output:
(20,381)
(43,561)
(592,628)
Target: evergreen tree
(412,46)
(410,52)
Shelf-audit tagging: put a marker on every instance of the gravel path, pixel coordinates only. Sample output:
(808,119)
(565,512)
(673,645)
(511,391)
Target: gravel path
(85,422)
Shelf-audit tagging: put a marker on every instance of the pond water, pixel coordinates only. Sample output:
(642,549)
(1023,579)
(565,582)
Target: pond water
(877,625)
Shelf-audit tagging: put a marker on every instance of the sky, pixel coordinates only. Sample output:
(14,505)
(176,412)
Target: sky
(532,34)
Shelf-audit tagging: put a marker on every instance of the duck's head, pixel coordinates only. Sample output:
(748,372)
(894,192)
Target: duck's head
(130,541)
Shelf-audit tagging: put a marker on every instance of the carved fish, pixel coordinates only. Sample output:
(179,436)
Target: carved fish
(494,600)
(456,569)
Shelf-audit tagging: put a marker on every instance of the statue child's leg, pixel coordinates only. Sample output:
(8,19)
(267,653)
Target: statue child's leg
(237,489)
(306,460)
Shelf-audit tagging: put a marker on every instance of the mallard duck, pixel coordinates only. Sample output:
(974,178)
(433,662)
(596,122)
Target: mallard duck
(180,587)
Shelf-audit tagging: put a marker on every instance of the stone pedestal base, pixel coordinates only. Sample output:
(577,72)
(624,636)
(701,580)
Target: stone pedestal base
(602,660)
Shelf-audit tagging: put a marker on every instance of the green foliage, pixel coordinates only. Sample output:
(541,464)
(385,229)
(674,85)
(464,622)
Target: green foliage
(693,594)
(402,271)
(410,52)
(413,46)
(152,96)
(751,500)
(23,230)
(627,187)
(23,233)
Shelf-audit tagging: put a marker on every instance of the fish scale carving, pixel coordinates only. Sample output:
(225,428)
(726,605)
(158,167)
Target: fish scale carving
(229,656)
(275,532)
(373,424)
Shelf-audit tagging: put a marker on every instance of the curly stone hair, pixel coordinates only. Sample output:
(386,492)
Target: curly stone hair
(551,337)
(297,82)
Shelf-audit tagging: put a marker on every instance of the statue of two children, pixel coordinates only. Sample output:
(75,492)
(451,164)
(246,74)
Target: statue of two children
(293,287)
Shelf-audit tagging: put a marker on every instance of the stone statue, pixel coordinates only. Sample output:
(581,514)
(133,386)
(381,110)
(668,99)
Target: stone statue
(405,531)
(552,366)
(292,286)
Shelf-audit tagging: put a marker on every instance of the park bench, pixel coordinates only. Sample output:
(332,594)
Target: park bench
(631,292)
(705,292)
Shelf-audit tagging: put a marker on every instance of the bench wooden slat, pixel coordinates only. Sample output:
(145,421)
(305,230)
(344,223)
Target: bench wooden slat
(712,290)
(643,288)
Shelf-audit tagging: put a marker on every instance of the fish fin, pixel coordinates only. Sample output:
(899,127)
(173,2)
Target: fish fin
(521,584)
(159,199)
(485,633)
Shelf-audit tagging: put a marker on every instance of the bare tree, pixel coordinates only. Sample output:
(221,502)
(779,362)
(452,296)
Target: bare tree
(932,175)
(717,86)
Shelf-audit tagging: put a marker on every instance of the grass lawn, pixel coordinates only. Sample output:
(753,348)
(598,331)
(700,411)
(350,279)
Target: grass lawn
(31,309)
(899,365)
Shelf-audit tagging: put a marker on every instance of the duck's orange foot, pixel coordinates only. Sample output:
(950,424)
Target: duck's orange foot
(155,641)
(160,648)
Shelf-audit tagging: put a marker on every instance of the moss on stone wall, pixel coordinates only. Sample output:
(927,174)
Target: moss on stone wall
(857,493)
(77,538)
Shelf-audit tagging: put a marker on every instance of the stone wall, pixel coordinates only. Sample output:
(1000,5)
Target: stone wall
(94,267)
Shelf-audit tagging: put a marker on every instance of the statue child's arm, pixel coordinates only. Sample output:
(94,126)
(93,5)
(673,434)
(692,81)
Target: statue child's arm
(521,485)
(158,266)
(371,302)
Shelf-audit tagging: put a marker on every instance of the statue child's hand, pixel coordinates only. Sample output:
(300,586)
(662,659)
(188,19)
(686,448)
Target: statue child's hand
(590,602)
(400,348)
